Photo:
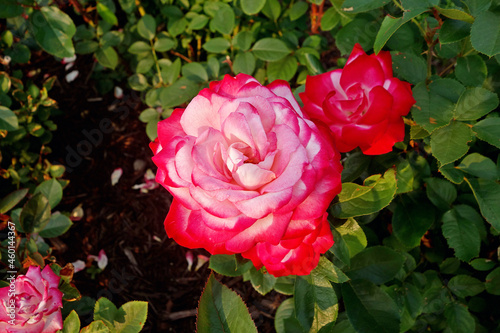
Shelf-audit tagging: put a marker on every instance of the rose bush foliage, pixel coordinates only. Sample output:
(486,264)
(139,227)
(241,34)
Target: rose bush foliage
(362,103)
(249,175)
(37,301)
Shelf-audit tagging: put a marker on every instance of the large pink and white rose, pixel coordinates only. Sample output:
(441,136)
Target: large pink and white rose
(249,174)
(362,104)
(32,304)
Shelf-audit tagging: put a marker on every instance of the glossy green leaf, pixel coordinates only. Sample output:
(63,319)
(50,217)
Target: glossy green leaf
(440,192)
(106,311)
(378,264)
(432,110)
(465,285)
(411,220)
(482,264)
(316,302)
(35,214)
(461,233)
(139,47)
(128,6)
(452,174)
(492,283)
(485,33)
(471,70)
(404,176)
(285,310)
(270,49)
(475,103)
(106,13)
(358,6)
(252,7)
(456,14)
(449,143)
(487,193)
(146,27)
(354,165)
(459,319)
(53,30)
(96,327)
(216,45)
(71,323)
(138,82)
(223,20)
(298,10)
(272,9)
(52,190)
(10,8)
(353,236)
(390,25)
(376,193)
(131,317)
(360,30)
(107,57)
(243,40)
(488,130)
(409,67)
(340,249)
(453,30)
(8,119)
(261,282)
(283,69)
(330,19)
(198,22)
(222,310)
(244,63)
(12,199)
(178,93)
(195,72)
(480,166)
(58,225)
(370,309)
(227,265)
(327,269)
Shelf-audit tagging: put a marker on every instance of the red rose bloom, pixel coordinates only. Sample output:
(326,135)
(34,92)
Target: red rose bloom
(362,103)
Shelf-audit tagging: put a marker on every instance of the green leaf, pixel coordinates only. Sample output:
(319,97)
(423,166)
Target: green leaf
(222,310)
(270,49)
(178,93)
(223,20)
(409,67)
(261,282)
(479,166)
(316,302)
(71,323)
(461,234)
(244,62)
(35,214)
(447,88)
(475,103)
(243,40)
(53,30)
(376,193)
(177,26)
(327,269)
(358,6)
(453,30)
(378,264)
(492,283)
(485,33)
(455,14)
(195,72)
(217,45)
(227,265)
(146,27)
(86,47)
(449,143)
(440,192)
(107,57)
(139,47)
(106,14)
(330,18)
(369,309)
(354,165)
(471,70)
(488,130)
(12,199)
(106,311)
(482,264)
(353,236)
(340,249)
(128,6)
(8,119)
(198,22)
(96,327)
(405,177)
(299,9)
(390,25)
(360,30)
(411,220)
(432,110)
(465,285)
(145,65)
(138,82)
(285,310)
(131,317)
(272,9)
(459,319)
(10,8)
(283,69)
(52,190)
(252,7)
(58,225)
(487,193)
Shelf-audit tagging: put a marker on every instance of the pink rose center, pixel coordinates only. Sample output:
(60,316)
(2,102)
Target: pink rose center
(352,102)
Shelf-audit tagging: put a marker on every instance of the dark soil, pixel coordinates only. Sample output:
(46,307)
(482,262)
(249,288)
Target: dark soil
(95,136)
